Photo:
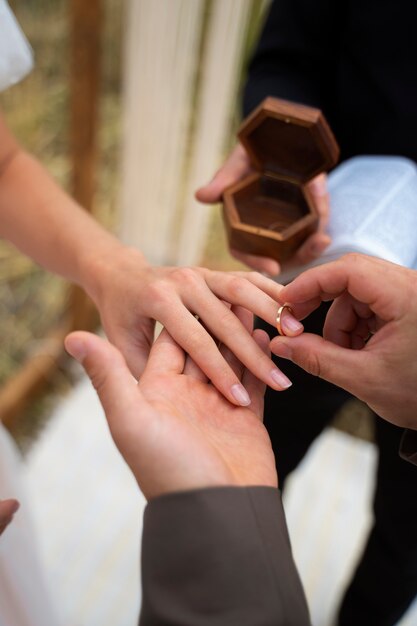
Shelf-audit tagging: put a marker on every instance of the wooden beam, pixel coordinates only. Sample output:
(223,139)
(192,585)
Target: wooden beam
(33,375)
(85,71)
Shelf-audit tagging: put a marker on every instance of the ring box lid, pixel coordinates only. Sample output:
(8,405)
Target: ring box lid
(289,140)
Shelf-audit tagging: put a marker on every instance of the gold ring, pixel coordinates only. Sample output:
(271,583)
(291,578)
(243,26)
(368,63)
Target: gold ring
(279,315)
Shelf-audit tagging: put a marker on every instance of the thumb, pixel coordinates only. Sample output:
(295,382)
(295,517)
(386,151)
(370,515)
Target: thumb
(236,167)
(108,372)
(257,263)
(343,367)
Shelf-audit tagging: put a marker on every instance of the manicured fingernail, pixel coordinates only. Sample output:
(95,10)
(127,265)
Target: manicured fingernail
(290,323)
(280,379)
(240,395)
(76,348)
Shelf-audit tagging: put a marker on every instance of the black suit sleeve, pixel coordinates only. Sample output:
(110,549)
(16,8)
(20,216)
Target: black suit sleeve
(297,54)
(219,556)
(408,446)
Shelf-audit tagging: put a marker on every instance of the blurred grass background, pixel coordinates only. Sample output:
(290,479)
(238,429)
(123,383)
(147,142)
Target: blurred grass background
(37,110)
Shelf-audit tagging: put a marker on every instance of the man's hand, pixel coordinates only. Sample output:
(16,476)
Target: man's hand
(237,167)
(131,295)
(174,429)
(370,334)
(7,510)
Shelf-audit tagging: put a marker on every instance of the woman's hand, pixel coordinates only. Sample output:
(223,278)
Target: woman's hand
(131,295)
(174,429)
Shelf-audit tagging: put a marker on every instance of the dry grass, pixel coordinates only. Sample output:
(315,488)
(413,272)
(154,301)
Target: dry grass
(31,300)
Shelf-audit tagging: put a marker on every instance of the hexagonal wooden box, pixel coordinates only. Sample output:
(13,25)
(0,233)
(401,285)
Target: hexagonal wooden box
(270,213)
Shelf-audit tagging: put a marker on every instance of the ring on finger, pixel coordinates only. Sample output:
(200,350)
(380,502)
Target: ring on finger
(280,311)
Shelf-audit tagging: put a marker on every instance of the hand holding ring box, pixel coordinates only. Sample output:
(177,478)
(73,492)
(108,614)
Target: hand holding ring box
(270,213)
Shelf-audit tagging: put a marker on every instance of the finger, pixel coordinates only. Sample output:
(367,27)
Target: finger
(135,350)
(257,263)
(241,290)
(320,196)
(108,372)
(289,324)
(192,370)
(350,369)
(286,323)
(246,319)
(165,357)
(265,284)
(312,248)
(347,322)
(223,324)
(255,387)
(199,344)
(365,278)
(236,167)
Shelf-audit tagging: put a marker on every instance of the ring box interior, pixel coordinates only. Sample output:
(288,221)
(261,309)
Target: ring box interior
(270,212)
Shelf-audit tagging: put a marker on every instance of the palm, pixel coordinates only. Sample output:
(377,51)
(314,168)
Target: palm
(173,428)
(200,434)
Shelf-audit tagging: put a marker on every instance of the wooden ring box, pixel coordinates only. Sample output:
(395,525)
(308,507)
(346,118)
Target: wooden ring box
(271,212)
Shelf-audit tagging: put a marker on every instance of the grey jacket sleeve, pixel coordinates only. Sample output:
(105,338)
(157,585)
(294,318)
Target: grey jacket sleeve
(219,556)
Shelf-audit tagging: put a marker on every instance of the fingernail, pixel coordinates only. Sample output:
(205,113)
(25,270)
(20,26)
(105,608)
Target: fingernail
(240,395)
(292,324)
(76,348)
(280,379)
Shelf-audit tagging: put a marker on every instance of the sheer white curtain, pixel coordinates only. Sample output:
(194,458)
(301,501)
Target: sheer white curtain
(182,62)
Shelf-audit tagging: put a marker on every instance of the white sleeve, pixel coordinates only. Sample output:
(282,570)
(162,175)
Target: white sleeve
(16,57)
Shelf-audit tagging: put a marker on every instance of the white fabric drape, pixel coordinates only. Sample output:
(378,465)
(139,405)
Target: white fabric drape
(24,596)
(15,53)
(182,64)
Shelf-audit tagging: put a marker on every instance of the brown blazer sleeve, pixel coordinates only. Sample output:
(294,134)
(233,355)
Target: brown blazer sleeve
(408,446)
(219,556)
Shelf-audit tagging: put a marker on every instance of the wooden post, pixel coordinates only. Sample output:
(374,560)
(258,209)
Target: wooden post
(33,375)
(86,28)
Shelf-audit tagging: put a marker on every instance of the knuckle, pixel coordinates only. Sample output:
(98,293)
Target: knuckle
(235,287)
(312,364)
(158,292)
(254,276)
(197,341)
(187,276)
(352,258)
(228,321)
(99,379)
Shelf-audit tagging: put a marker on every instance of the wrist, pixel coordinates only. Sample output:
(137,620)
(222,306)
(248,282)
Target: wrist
(105,262)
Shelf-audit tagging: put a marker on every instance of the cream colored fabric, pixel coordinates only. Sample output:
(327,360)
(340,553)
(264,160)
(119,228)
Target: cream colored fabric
(182,63)
(15,53)
(24,597)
